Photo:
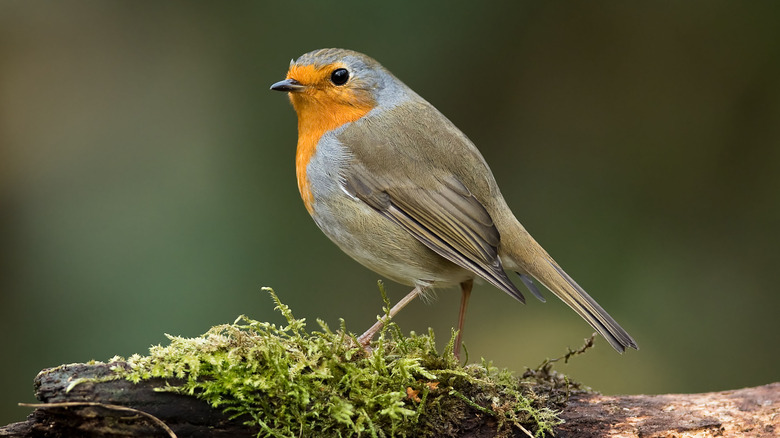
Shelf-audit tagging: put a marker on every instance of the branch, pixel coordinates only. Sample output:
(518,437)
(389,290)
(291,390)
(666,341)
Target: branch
(749,412)
(76,402)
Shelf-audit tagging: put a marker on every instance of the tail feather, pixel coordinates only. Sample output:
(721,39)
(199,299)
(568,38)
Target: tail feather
(565,288)
(521,253)
(531,287)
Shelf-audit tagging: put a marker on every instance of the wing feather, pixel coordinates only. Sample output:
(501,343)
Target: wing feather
(447,219)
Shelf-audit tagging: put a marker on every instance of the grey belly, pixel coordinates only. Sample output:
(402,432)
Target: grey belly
(383,246)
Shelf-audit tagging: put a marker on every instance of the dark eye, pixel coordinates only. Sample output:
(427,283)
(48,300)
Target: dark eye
(340,76)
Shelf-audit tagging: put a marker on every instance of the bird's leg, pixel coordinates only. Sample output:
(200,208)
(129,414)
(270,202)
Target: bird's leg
(366,337)
(465,289)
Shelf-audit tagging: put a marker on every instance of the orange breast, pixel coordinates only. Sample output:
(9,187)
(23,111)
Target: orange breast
(321,110)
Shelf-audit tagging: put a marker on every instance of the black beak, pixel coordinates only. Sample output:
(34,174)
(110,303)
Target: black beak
(290,85)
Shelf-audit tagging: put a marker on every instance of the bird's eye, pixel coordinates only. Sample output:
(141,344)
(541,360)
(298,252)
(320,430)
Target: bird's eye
(340,76)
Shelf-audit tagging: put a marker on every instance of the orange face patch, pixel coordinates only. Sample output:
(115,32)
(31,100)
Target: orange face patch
(321,107)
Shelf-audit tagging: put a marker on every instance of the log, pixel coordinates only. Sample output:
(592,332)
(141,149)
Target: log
(749,412)
(75,402)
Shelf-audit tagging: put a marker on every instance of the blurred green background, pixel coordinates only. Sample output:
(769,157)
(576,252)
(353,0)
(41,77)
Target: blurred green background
(147,176)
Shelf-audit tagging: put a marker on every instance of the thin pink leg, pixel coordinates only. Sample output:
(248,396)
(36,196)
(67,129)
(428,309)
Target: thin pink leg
(366,337)
(465,289)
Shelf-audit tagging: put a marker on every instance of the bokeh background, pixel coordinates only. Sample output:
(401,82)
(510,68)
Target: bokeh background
(147,176)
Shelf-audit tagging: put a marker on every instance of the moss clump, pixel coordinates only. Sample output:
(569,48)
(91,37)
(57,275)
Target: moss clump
(290,382)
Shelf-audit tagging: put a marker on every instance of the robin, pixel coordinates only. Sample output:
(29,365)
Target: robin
(400,189)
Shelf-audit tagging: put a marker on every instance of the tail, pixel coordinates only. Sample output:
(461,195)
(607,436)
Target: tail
(544,269)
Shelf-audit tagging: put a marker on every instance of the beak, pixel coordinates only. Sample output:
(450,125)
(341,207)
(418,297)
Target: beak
(290,85)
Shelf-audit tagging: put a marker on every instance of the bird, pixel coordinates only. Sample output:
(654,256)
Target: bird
(396,186)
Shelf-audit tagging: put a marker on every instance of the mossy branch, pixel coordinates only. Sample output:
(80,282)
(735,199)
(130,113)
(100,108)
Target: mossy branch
(254,378)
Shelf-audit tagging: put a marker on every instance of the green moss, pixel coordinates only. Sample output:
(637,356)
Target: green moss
(291,382)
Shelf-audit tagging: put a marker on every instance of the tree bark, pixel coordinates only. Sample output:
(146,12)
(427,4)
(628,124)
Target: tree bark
(75,403)
(749,412)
